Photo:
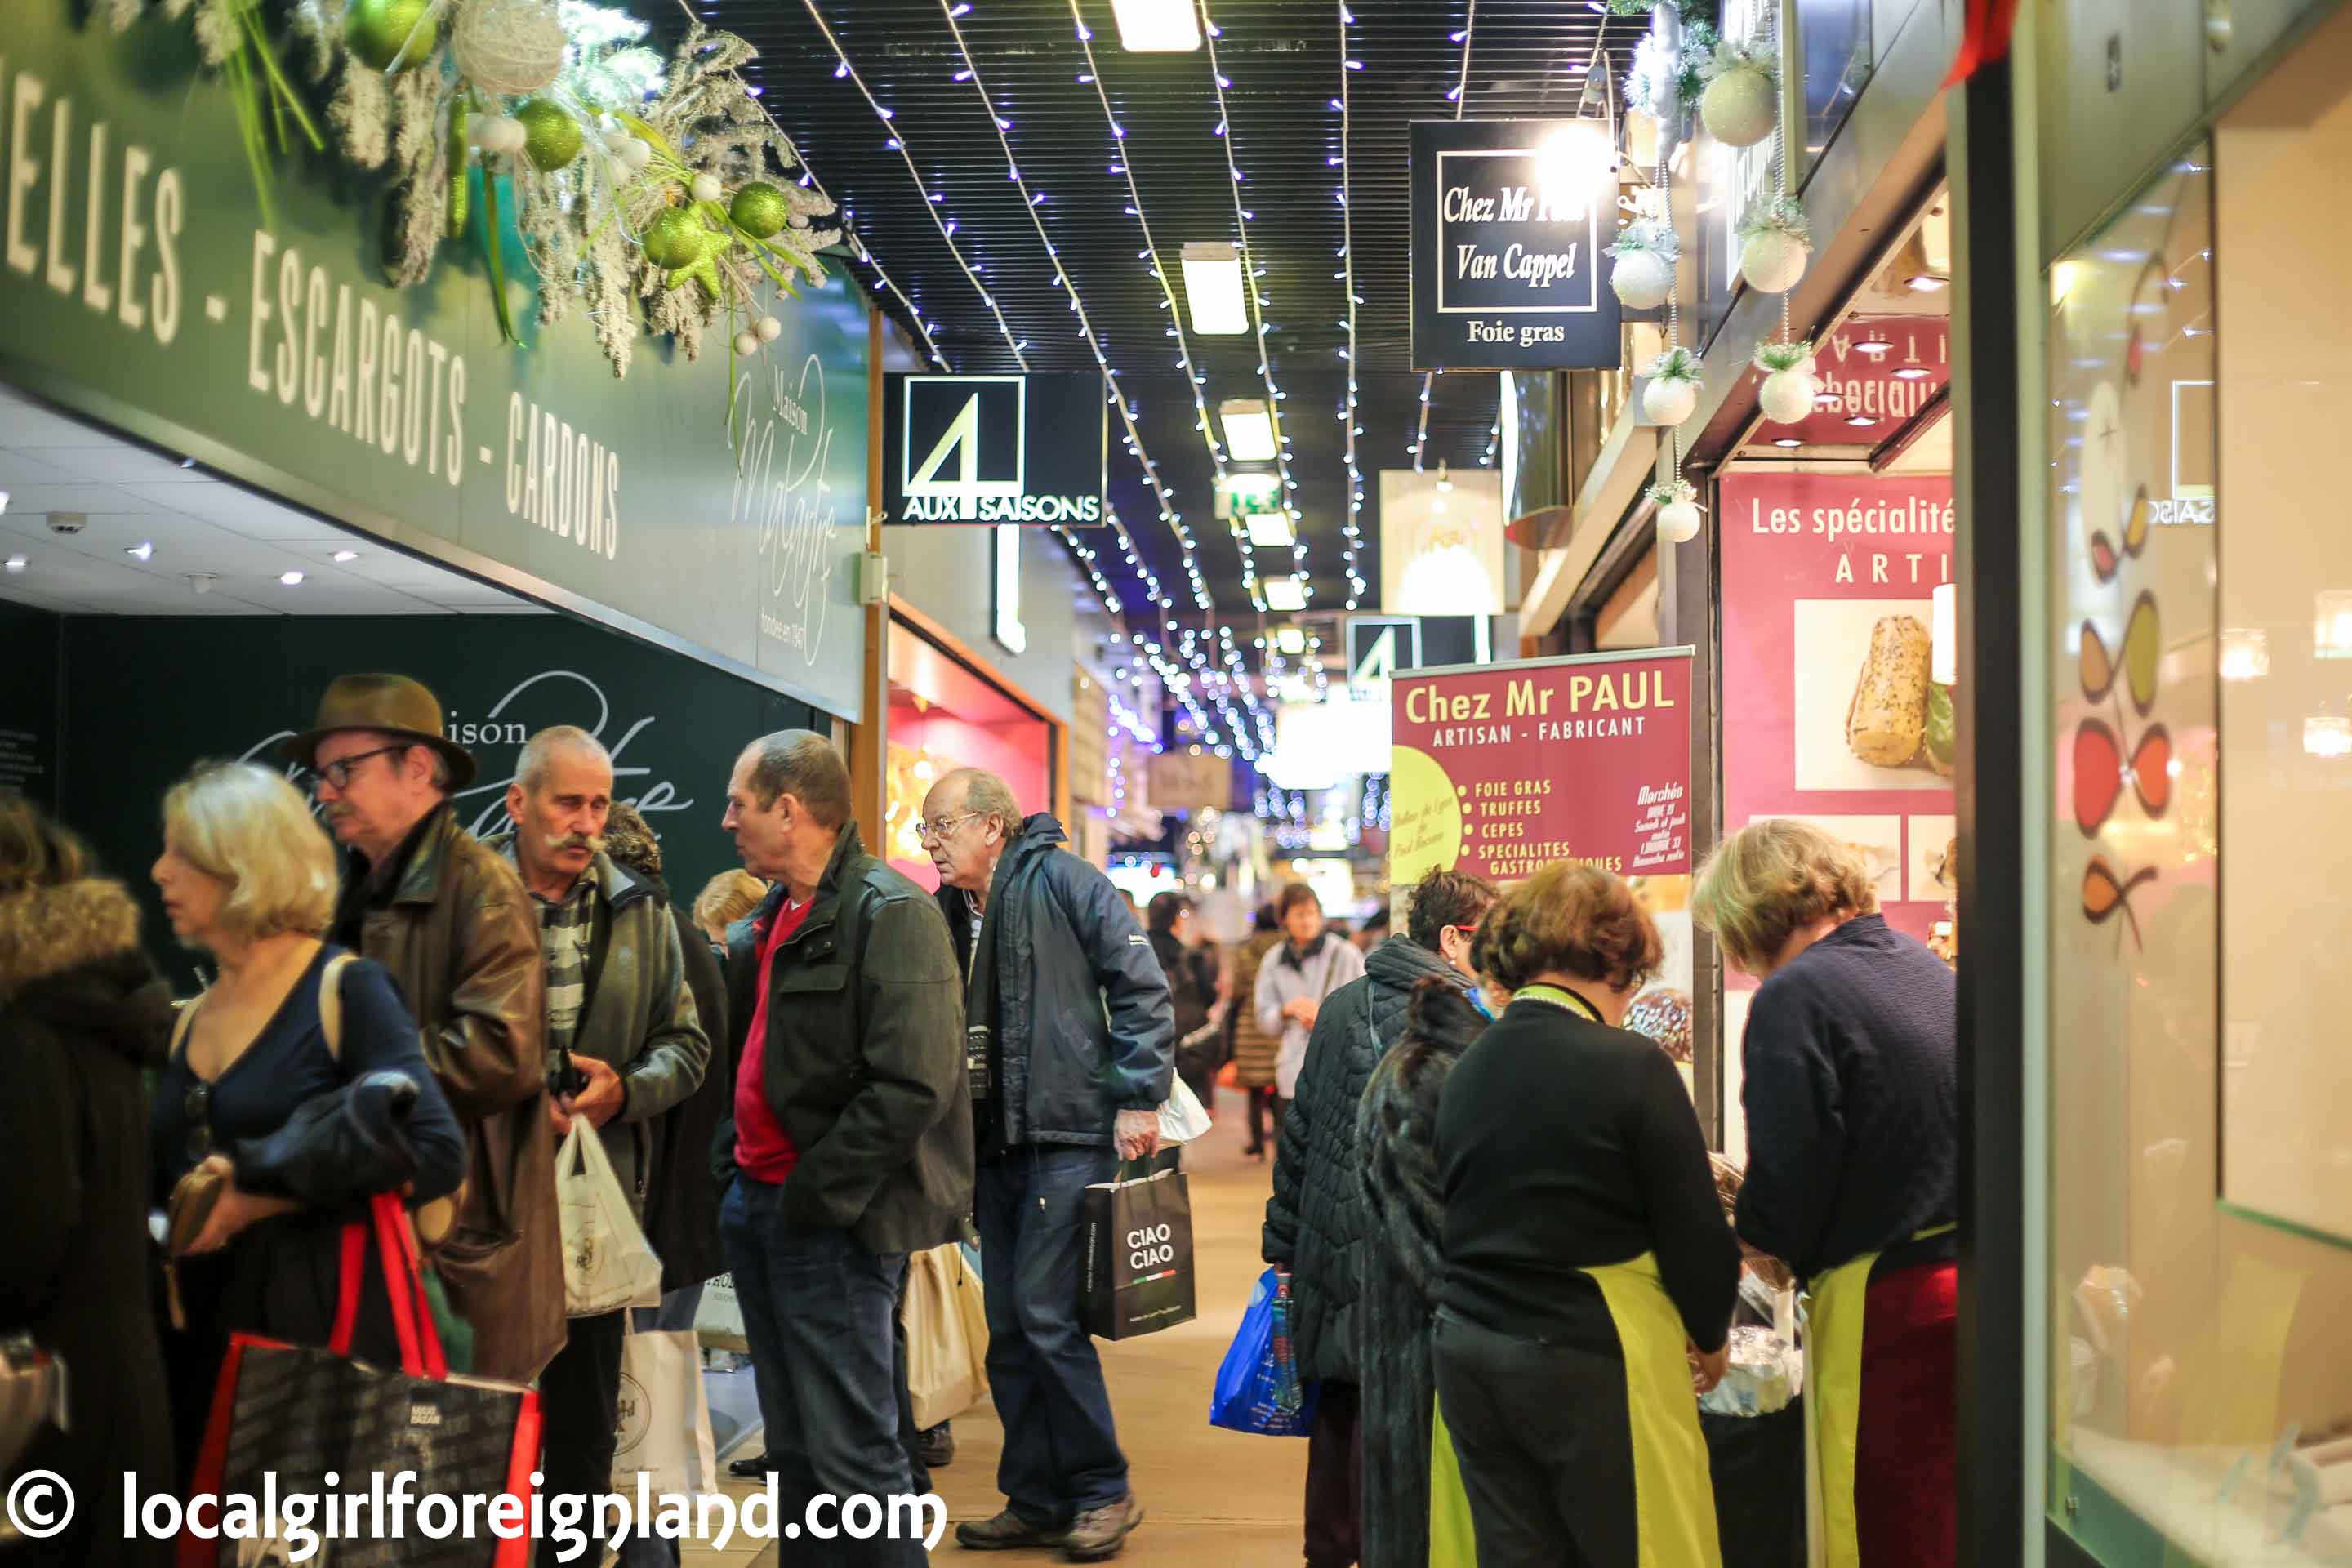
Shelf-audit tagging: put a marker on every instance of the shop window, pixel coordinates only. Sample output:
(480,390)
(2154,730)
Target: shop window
(1834,36)
(2201,592)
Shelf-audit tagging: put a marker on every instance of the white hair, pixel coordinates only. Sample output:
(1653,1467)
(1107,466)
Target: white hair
(539,753)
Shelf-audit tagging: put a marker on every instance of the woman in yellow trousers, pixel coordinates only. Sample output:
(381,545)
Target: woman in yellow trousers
(1588,1265)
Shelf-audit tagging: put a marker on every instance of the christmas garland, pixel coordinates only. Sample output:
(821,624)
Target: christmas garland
(637,184)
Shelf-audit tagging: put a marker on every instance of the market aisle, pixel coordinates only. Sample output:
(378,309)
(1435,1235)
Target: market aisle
(1209,1495)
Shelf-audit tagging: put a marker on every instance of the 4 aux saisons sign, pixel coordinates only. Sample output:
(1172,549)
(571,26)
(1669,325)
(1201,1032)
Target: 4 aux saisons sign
(1025,449)
(1508,220)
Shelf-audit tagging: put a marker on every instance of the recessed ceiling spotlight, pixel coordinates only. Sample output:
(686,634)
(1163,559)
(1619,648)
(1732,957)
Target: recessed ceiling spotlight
(16,564)
(1927,283)
(1912,373)
(1860,421)
(344,556)
(143,551)
(1788,441)
(290,578)
(1876,348)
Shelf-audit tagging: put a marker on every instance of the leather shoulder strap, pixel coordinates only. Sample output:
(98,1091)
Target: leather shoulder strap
(330,1003)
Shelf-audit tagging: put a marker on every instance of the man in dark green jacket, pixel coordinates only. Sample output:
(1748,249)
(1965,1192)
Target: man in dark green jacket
(851,1142)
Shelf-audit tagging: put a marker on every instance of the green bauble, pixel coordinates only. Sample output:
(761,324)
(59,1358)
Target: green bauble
(674,238)
(761,209)
(551,137)
(375,30)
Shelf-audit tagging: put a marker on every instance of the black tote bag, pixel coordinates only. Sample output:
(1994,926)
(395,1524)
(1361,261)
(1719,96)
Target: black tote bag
(1139,1275)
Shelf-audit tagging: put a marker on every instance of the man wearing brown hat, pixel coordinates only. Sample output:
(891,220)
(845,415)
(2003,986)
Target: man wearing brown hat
(451,921)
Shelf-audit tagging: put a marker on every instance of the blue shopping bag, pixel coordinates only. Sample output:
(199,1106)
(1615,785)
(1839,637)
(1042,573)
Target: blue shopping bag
(1257,1388)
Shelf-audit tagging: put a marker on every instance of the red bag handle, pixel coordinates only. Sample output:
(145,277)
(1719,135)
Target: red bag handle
(412,1319)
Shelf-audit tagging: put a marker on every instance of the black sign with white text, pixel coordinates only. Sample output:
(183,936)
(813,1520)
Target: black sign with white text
(985,449)
(1508,220)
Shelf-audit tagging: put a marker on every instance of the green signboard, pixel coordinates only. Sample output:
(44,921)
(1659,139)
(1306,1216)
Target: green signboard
(675,727)
(142,286)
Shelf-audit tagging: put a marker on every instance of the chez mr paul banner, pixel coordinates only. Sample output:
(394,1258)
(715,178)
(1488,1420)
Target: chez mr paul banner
(1509,217)
(142,286)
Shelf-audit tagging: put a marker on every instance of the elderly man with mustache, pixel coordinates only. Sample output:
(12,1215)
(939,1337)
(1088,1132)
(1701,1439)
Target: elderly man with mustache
(621,1027)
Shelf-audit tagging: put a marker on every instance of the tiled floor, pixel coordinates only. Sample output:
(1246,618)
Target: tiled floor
(1210,1496)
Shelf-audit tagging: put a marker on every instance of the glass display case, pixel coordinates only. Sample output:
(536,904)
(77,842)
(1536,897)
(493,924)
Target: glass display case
(2200,1094)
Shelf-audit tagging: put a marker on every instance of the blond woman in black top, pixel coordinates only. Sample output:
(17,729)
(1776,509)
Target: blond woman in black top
(1590,1277)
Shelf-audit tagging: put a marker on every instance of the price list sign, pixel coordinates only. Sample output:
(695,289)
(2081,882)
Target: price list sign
(1500,769)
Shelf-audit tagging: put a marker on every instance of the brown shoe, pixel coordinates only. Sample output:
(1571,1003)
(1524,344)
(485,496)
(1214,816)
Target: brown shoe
(1008,1532)
(1098,1534)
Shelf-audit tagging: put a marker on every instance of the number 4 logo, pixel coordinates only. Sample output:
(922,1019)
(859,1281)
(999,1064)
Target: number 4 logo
(961,440)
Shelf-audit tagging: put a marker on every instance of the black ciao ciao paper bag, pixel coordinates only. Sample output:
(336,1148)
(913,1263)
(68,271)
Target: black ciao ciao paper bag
(1139,1278)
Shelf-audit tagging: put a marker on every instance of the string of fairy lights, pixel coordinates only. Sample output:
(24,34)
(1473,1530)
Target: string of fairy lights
(1460,97)
(1351,532)
(1031,202)
(934,203)
(1122,167)
(1251,273)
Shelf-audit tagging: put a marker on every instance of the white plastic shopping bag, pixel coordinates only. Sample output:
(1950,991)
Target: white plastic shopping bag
(606,1263)
(664,1431)
(947,1336)
(1182,1117)
(719,1321)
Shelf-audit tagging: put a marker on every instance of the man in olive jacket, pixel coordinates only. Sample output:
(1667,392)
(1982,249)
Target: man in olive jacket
(451,923)
(850,1144)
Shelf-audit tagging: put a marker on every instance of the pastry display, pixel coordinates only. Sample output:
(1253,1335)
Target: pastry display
(1663,1016)
(1886,725)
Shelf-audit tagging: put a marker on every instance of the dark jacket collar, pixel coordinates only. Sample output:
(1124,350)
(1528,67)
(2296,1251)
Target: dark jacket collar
(414,868)
(1400,964)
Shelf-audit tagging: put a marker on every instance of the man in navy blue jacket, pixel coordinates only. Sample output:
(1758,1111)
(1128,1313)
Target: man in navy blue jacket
(1069,1047)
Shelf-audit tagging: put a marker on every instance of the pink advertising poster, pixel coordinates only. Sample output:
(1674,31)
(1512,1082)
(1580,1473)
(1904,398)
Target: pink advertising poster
(1830,711)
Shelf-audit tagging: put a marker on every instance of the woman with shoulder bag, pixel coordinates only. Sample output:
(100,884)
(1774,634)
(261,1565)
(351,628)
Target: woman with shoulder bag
(296,1089)
(82,1013)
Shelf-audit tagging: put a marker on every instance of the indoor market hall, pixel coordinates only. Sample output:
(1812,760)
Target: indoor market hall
(1373,784)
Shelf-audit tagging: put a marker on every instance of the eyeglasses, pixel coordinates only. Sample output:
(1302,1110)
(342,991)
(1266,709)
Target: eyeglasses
(932,832)
(338,772)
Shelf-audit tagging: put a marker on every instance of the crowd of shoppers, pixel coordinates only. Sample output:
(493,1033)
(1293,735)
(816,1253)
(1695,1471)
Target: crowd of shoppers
(1507,1262)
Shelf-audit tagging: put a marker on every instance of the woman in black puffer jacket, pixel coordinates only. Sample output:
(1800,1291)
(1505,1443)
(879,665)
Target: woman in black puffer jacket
(1315,1227)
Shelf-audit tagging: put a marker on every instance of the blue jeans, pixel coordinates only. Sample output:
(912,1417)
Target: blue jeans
(820,1315)
(1061,1452)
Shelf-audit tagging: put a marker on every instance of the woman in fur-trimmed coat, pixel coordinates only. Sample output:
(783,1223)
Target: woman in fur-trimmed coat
(1403,1265)
(82,1013)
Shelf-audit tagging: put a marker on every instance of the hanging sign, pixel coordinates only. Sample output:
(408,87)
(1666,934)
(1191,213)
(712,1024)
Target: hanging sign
(1508,220)
(1025,449)
(1501,769)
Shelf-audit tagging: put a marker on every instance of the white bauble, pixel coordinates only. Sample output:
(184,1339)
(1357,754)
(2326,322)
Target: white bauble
(1642,279)
(475,128)
(1773,262)
(1678,521)
(1669,402)
(616,141)
(769,328)
(510,47)
(1740,107)
(1788,396)
(705,187)
(638,154)
(503,134)
(747,343)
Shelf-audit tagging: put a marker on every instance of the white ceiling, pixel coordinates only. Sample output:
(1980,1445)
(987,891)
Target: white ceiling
(199,526)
